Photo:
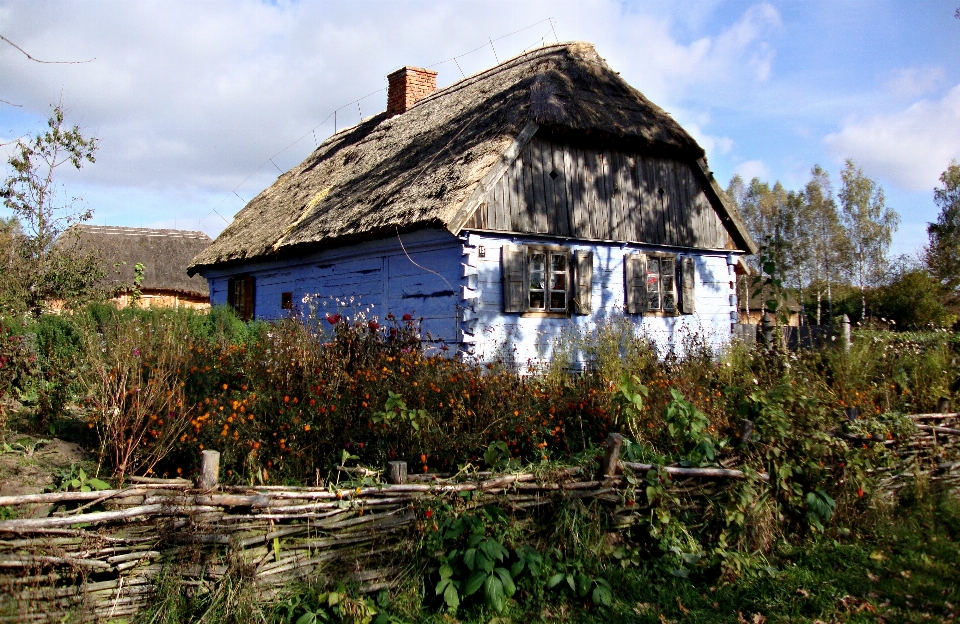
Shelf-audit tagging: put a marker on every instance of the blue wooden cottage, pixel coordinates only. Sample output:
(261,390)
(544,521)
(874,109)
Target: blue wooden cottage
(538,196)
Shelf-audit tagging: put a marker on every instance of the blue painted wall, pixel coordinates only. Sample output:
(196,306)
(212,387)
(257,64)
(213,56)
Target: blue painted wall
(443,279)
(372,278)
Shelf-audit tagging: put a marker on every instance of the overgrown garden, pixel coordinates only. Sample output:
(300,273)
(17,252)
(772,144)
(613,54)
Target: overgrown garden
(288,402)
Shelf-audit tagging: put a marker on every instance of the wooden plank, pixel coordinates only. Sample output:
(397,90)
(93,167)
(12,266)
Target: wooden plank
(669,221)
(657,232)
(685,225)
(546,166)
(570,184)
(624,185)
(541,214)
(631,204)
(593,176)
(581,205)
(562,220)
(527,222)
(510,218)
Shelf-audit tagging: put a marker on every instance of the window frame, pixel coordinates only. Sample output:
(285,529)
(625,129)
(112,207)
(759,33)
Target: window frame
(244,302)
(659,256)
(549,251)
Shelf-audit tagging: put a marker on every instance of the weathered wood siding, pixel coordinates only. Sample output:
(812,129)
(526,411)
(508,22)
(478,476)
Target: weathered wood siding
(373,278)
(603,195)
(490,334)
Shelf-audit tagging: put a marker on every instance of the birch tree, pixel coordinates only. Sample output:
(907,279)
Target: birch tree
(943,251)
(869,225)
(45,211)
(829,245)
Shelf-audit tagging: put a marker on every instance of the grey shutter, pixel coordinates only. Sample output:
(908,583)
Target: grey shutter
(583,287)
(635,282)
(687,282)
(512,260)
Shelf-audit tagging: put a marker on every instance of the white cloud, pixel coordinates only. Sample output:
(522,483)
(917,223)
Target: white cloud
(913,82)
(751,169)
(910,147)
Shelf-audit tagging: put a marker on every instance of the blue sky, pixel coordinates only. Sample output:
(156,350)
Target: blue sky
(191,100)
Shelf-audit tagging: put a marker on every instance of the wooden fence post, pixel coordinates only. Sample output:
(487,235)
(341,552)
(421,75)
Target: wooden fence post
(396,472)
(209,470)
(611,457)
(766,328)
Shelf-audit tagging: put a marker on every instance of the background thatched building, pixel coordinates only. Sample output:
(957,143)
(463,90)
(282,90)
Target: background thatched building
(165,255)
(541,195)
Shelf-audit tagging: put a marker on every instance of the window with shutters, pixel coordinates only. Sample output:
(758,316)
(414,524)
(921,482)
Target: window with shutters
(542,280)
(651,282)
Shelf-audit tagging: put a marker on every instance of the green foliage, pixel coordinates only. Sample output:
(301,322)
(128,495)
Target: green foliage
(943,252)
(75,479)
(396,408)
(912,300)
(482,565)
(689,432)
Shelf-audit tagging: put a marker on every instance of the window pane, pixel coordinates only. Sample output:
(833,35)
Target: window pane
(559,262)
(558,300)
(653,283)
(667,266)
(653,301)
(669,302)
(653,266)
(558,281)
(537,262)
(536,300)
(666,283)
(536,280)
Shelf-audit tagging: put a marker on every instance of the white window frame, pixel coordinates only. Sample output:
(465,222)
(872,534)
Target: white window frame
(548,279)
(655,277)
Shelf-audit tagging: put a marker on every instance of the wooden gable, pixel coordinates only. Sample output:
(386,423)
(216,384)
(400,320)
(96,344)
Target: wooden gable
(569,191)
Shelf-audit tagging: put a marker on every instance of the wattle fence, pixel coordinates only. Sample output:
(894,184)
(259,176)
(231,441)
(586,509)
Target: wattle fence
(105,564)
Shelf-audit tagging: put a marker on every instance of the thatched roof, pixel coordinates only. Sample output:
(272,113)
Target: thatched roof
(419,168)
(165,255)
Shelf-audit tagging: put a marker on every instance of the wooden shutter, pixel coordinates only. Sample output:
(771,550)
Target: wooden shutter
(512,261)
(687,281)
(635,282)
(232,293)
(248,298)
(583,286)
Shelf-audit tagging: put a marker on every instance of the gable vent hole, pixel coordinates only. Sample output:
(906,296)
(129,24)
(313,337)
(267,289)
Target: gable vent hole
(554,175)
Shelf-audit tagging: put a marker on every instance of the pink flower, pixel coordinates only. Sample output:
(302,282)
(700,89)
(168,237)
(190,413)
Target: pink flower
(407,317)
(333,319)
(373,325)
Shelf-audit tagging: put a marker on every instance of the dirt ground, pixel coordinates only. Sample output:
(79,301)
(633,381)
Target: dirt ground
(29,462)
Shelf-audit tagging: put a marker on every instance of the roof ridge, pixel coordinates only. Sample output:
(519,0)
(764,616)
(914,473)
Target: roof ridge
(510,63)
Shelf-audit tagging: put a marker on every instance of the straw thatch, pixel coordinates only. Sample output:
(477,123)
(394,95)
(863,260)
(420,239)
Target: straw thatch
(419,168)
(165,255)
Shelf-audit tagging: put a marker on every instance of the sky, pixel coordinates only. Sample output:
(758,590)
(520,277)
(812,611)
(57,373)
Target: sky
(198,106)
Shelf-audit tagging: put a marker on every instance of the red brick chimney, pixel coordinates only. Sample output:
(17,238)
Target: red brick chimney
(408,86)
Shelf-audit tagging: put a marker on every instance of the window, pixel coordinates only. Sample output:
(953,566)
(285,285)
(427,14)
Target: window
(286,300)
(662,284)
(546,280)
(241,296)
(651,283)
(549,280)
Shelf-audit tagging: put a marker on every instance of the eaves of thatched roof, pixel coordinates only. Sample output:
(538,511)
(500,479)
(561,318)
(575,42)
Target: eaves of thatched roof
(420,168)
(165,255)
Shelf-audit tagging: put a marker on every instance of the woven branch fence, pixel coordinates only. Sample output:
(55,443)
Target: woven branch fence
(103,565)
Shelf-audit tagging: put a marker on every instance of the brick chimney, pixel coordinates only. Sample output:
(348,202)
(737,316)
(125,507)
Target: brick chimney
(408,86)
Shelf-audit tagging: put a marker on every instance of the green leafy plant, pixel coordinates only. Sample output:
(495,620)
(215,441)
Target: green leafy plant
(75,479)
(396,408)
(579,585)
(688,431)
(820,508)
